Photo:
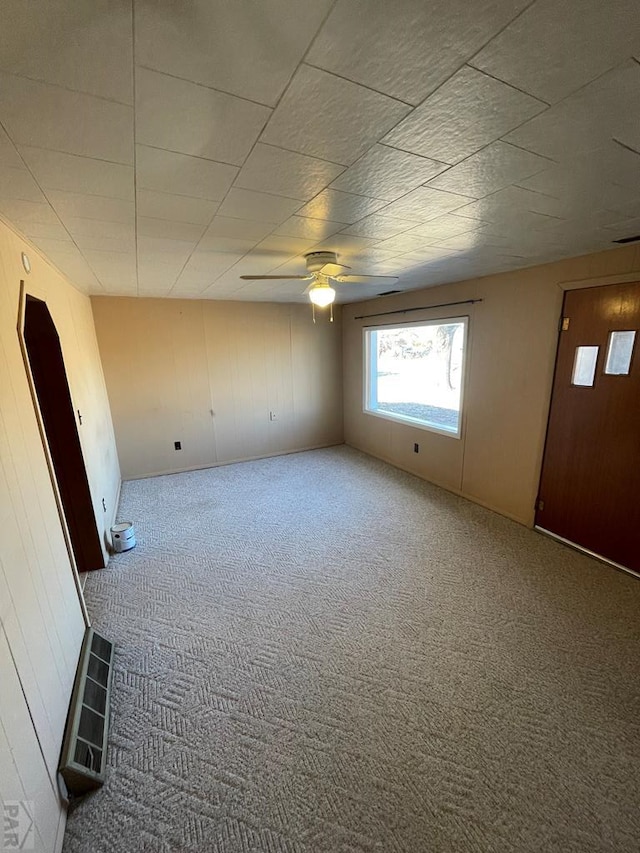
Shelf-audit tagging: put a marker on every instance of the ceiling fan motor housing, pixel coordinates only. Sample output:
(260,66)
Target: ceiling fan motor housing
(317,260)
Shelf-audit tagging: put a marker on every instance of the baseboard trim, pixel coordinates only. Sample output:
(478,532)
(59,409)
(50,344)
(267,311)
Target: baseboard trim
(233,461)
(575,547)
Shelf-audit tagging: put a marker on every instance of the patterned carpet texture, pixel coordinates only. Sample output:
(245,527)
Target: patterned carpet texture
(318,653)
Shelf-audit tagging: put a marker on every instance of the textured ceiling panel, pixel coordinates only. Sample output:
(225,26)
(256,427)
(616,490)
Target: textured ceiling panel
(193,119)
(71,43)
(166,171)
(274,170)
(415,139)
(387,173)
(407,48)
(57,171)
(467,112)
(38,114)
(242,47)
(331,118)
(580,42)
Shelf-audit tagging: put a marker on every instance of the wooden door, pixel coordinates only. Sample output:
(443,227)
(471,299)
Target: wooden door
(590,485)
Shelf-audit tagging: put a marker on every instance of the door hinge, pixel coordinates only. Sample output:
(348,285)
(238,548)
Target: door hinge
(539,504)
(565,323)
(79,417)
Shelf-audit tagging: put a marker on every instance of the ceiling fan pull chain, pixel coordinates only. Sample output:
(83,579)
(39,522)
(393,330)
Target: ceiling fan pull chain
(331,319)
(313,311)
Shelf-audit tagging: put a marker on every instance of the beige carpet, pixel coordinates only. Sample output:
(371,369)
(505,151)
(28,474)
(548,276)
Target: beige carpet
(318,653)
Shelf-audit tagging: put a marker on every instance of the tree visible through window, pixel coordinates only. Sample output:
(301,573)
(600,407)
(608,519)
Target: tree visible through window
(415,373)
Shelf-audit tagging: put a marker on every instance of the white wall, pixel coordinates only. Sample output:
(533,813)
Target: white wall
(208,374)
(41,622)
(511,357)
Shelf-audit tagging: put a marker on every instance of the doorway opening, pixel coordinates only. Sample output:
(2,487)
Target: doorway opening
(60,433)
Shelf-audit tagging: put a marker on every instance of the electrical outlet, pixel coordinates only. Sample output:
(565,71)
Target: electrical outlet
(272,416)
(416,448)
(177,445)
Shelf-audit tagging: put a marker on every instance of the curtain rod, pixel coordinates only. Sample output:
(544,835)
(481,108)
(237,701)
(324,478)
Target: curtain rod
(421,308)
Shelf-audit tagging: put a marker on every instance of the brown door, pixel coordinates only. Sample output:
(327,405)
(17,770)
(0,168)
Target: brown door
(590,485)
(58,417)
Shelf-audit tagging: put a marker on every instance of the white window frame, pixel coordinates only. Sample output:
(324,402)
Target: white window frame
(406,419)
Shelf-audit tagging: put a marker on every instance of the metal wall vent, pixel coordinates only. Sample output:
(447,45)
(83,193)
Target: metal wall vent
(628,239)
(84,750)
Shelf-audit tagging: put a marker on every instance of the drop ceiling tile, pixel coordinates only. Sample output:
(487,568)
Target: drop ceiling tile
(77,270)
(175,208)
(158,247)
(330,118)
(387,173)
(71,44)
(345,245)
(57,171)
(52,247)
(379,226)
(404,243)
(289,246)
(372,255)
(102,243)
(79,205)
(113,269)
(424,203)
(242,48)
(193,119)
(471,239)
(445,226)
(27,211)
(305,227)
(33,113)
(44,230)
(588,119)
(581,42)
(274,170)
(495,167)
(8,154)
(490,210)
(239,229)
(165,229)
(409,47)
(463,115)
(337,206)
(624,228)
(18,184)
(261,207)
(203,268)
(79,228)
(166,171)
(233,245)
(169,262)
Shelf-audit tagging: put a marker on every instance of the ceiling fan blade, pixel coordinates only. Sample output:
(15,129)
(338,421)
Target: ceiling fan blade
(364,279)
(332,269)
(274,277)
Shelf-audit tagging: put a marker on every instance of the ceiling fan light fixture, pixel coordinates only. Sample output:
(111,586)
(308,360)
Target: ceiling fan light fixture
(322,295)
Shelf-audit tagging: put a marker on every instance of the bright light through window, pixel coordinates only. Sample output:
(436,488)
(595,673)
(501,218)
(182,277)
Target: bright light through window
(415,373)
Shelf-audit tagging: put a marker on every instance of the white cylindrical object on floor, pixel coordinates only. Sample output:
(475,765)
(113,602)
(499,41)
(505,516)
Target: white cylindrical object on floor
(123,536)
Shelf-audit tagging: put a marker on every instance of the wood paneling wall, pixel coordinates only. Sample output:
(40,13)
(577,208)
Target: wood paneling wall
(208,374)
(41,622)
(513,336)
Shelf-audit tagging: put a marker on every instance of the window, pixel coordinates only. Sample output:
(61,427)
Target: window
(415,373)
(619,353)
(584,366)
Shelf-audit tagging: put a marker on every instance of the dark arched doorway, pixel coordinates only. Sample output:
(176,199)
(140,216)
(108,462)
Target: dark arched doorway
(51,388)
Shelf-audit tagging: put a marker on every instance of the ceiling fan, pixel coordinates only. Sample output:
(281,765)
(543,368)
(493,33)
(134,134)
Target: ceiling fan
(323,269)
